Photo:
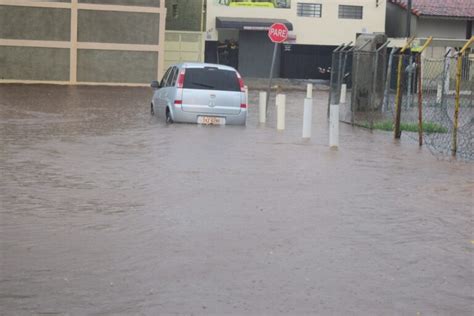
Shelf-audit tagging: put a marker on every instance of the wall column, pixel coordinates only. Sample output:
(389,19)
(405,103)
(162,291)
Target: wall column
(73,49)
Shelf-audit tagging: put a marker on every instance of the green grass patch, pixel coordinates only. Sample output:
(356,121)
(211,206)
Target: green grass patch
(428,127)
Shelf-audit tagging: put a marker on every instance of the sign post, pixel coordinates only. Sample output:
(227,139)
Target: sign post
(278,33)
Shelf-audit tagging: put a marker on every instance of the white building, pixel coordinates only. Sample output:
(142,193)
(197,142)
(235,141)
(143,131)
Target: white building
(316,28)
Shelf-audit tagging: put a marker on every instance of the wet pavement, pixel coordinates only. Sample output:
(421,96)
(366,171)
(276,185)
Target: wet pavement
(106,210)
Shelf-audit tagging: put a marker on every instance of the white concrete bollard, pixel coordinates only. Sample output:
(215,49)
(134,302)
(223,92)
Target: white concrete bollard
(342,99)
(280,104)
(309,91)
(262,106)
(439,92)
(246,90)
(334,126)
(307,117)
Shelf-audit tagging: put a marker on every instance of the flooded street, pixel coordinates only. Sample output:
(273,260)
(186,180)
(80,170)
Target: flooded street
(106,210)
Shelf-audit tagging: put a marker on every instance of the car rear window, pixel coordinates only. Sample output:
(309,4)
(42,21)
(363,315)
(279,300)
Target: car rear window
(211,78)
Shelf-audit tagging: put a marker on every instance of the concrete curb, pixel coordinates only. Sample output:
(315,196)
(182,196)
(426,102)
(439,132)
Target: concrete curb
(286,84)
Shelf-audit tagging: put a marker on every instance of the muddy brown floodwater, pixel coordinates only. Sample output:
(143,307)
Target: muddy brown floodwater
(106,210)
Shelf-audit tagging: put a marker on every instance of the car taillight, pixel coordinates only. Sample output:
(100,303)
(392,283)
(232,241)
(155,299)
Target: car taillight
(241,82)
(243,106)
(181,78)
(178,102)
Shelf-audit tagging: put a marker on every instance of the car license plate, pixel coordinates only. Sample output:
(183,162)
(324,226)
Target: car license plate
(211,120)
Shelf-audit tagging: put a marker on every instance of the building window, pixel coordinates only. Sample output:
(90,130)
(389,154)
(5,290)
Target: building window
(350,12)
(174,10)
(309,9)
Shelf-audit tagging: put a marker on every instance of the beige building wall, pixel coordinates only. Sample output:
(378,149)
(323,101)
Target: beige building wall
(327,30)
(441,28)
(106,42)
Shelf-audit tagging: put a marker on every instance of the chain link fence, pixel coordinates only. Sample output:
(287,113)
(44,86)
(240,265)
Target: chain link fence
(358,84)
(430,94)
(368,86)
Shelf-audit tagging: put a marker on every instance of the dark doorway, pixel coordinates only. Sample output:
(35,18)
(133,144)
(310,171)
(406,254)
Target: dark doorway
(228,53)
(210,53)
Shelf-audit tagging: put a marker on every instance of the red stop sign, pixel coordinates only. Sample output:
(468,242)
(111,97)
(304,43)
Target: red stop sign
(278,33)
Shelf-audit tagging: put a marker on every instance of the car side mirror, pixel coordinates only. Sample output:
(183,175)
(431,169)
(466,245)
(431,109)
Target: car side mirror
(155,84)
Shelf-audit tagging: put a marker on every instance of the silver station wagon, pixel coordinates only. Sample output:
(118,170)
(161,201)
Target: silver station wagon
(200,93)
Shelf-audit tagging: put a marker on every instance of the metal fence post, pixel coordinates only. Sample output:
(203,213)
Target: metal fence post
(420,101)
(410,73)
(340,70)
(374,83)
(332,77)
(458,94)
(269,90)
(420,91)
(388,80)
(345,60)
(398,99)
(446,76)
(355,70)
(454,147)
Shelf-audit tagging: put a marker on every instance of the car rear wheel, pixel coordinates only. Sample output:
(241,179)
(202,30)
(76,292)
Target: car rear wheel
(169,119)
(152,111)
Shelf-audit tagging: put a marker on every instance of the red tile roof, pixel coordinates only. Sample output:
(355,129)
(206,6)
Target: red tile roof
(446,8)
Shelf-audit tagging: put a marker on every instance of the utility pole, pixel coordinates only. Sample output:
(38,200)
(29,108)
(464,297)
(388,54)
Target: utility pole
(408,30)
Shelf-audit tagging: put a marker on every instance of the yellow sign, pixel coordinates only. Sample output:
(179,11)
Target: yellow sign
(252,4)
(269,4)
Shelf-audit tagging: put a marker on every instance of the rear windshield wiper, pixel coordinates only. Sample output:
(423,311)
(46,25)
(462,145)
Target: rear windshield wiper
(203,85)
